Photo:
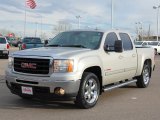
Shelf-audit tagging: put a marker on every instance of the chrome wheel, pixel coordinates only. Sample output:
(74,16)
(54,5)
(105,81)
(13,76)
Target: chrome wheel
(91,91)
(146,75)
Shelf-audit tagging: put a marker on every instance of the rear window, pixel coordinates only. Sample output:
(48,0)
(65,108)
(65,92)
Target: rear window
(2,40)
(31,40)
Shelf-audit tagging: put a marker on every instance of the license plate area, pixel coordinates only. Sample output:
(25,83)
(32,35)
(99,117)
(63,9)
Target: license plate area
(27,90)
(5,52)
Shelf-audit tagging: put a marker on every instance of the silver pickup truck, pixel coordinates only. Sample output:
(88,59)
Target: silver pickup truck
(79,65)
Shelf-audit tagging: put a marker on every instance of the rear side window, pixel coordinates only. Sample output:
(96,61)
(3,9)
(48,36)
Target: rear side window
(127,44)
(31,40)
(2,40)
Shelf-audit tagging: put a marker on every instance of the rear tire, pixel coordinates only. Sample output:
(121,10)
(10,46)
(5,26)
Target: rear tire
(155,51)
(144,79)
(89,91)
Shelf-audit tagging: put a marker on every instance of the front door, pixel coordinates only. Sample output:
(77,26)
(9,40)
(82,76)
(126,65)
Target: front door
(113,62)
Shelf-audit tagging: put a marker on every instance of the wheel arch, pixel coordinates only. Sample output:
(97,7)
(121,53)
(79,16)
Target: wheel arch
(98,72)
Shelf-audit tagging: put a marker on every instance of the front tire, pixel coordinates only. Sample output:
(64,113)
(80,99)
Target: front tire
(144,79)
(89,91)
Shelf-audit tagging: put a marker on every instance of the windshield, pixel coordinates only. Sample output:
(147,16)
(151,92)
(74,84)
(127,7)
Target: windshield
(84,39)
(31,40)
(153,43)
(138,43)
(2,40)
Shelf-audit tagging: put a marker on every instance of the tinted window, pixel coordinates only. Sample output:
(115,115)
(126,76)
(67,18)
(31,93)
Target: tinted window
(88,39)
(144,43)
(138,43)
(153,43)
(31,40)
(2,40)
(110,40)
(127,44)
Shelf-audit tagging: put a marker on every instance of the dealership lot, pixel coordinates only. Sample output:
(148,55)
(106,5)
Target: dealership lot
(127,103)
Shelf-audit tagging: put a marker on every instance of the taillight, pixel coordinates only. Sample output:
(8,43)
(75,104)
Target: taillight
(23,46)
(8,46)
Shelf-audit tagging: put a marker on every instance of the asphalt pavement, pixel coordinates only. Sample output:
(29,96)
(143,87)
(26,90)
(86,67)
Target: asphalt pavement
(127,103)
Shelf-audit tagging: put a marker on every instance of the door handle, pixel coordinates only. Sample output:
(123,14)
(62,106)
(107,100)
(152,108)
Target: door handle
(120,57)
(133,55)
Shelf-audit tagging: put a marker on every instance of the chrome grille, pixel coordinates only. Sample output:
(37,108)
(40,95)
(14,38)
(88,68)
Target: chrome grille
(41,65)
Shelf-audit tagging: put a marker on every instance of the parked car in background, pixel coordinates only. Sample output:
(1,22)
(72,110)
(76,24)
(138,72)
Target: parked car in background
(141,43)
(155,45)
(30,42)
(4,47)
(152,44)
(15,43)
(10,39)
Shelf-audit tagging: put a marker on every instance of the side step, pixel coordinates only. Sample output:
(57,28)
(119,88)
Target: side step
(108,88)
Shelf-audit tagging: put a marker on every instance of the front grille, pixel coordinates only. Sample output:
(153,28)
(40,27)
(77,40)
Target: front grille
(41,66)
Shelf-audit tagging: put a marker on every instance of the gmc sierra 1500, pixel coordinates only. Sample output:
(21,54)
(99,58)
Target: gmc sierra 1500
(79,65)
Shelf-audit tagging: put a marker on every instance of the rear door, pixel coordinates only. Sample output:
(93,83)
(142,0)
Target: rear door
(129,56)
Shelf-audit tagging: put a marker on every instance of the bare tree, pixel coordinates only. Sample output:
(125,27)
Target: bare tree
(4,32)
(62,26)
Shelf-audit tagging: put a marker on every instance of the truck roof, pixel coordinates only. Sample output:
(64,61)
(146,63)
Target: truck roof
(94,30)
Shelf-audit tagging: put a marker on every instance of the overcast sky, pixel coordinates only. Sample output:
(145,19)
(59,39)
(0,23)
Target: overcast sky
(94,13)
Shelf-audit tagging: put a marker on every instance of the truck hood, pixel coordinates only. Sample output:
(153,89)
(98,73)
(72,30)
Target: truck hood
(51,52)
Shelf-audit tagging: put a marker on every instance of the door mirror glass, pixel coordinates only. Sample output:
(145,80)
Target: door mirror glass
(118,46)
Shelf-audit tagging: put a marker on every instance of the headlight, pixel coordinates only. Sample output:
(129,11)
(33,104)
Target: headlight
(10,62)
(61,66)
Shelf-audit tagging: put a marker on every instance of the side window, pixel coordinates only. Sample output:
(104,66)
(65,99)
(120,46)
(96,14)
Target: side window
(127,44)
(144,44)
(110,40)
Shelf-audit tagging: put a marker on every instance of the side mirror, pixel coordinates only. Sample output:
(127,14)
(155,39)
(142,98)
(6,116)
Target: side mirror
(106,47)
(118,46)
(45,42)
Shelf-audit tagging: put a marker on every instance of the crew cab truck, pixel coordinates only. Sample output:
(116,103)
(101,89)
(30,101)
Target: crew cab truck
(79,65)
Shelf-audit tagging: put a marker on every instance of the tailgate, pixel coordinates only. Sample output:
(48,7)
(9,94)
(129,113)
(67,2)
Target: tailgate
(3,46)
(33,45)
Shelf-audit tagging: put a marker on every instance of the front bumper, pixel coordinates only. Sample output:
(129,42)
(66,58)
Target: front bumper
(43,87)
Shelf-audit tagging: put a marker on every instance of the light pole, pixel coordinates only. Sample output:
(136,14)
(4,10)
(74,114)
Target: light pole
(78,17)
(141,27)
(137,27)
(157,7)
(112,14)
(36,29)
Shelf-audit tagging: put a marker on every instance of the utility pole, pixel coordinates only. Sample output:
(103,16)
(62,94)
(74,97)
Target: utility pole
(157,7)
(149,31)
(78,17)
(36,29)
(112,14)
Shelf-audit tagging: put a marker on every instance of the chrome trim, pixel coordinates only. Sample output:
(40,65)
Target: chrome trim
(108,88)
(34,57)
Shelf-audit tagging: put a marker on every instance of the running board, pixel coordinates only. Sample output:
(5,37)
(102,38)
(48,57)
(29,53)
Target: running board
(108,88)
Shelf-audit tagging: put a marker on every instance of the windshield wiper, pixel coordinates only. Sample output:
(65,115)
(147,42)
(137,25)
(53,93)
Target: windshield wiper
(80,46)
(53,45)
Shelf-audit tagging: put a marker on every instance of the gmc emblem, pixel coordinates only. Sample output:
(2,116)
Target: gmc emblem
(29,65)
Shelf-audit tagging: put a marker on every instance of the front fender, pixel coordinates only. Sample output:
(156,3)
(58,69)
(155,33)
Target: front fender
(88,62)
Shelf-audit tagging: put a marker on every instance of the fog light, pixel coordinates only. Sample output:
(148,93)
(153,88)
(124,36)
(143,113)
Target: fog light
(59,91)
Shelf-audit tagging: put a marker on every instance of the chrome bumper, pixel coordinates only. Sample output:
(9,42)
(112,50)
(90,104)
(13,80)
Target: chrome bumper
(67,82)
